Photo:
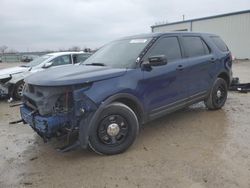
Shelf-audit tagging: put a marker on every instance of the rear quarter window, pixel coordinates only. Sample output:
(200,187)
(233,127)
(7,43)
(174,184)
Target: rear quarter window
(219,43)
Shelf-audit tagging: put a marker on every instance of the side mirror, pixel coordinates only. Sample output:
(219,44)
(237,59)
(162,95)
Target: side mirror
(47,65)
(157,60)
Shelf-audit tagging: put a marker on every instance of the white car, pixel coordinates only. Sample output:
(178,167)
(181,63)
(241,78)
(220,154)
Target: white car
(11,79)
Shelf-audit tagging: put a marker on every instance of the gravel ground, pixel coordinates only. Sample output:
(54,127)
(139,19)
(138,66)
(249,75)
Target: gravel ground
(191,148)
(7,65)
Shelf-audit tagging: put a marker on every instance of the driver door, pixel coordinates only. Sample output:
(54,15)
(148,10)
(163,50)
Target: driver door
(165,86)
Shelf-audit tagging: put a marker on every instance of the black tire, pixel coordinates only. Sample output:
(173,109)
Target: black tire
(218,95)
(18,90)
(104,138)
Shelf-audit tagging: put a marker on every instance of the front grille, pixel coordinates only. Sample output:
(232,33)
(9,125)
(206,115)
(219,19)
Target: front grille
(31,104)
(48,100)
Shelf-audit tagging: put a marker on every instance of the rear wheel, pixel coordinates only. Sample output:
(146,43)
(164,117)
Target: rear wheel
(218,95)
(18,90)
(116,129)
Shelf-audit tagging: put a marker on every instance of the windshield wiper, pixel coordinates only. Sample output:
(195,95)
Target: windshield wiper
(96,64)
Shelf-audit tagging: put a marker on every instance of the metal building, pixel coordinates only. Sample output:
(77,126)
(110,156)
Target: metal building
(234,29)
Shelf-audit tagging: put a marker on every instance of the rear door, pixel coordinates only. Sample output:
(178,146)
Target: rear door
(200,62)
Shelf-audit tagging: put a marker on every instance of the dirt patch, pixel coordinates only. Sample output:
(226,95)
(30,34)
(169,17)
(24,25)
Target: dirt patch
(190,148)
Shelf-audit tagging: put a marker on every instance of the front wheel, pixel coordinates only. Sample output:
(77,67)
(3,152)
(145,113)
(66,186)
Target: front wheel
(116,129)
(218,95)
(18,90)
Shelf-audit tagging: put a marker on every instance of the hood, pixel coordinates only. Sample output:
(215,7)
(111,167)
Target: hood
(14,70)
(73,74)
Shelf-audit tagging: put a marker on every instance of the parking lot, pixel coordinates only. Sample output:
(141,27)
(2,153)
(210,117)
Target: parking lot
(192,148)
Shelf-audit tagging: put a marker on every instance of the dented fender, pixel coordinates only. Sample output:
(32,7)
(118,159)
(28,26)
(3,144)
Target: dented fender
(84,109)
(4,77)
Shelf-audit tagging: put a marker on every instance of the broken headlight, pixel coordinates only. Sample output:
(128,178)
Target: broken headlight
(4,79)
(64,103)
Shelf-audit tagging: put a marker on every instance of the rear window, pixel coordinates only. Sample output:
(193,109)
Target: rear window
(220,43)
(77,58)
(195,46)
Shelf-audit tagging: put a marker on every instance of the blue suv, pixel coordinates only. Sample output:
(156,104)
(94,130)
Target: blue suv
(125,84)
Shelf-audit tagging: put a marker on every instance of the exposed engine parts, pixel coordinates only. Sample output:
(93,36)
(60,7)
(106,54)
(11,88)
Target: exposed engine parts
(48,100)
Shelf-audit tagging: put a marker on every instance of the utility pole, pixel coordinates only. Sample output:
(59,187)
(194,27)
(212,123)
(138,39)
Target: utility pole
(183,17)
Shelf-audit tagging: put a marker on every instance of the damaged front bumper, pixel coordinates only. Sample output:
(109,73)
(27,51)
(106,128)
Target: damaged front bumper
(4,85)
(3,91)
(48,123)
(46,127)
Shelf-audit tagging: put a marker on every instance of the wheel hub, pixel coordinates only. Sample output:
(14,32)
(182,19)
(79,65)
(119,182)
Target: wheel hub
(20,90)
(113,129)
(219,93)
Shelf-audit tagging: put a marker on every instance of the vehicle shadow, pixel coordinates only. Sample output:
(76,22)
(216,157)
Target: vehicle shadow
(191,134)
(186,121)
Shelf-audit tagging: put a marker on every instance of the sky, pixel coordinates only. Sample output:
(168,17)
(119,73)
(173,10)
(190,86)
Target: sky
(37,25)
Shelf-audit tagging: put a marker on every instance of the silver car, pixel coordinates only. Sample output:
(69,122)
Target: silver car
(12,79)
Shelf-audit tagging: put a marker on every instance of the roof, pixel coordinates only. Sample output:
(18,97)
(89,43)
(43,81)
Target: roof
(204,18)
(65,53)
(141,36)
(159,34)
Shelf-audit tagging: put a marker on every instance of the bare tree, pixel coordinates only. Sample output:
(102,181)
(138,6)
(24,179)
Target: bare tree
(12,51)
(75,48)
(47,51)
(3,49)
(87,50)
(61,50)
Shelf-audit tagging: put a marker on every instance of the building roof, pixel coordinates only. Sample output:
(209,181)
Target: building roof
(203,18)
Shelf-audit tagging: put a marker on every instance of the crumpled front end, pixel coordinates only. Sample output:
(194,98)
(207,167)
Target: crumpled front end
(10,77)
(4,85)
(55,111)
(46,127)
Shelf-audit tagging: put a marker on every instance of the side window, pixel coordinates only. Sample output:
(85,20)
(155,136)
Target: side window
(169,47)
(61,60)
(206,49)
(220,44)
(194,46)
(77,58)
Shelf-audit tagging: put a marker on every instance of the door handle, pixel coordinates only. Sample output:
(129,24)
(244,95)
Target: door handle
(212,60)
(180,67)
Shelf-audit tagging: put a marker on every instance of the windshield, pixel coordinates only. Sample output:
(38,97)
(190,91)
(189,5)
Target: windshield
(118,54)
(37,61)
